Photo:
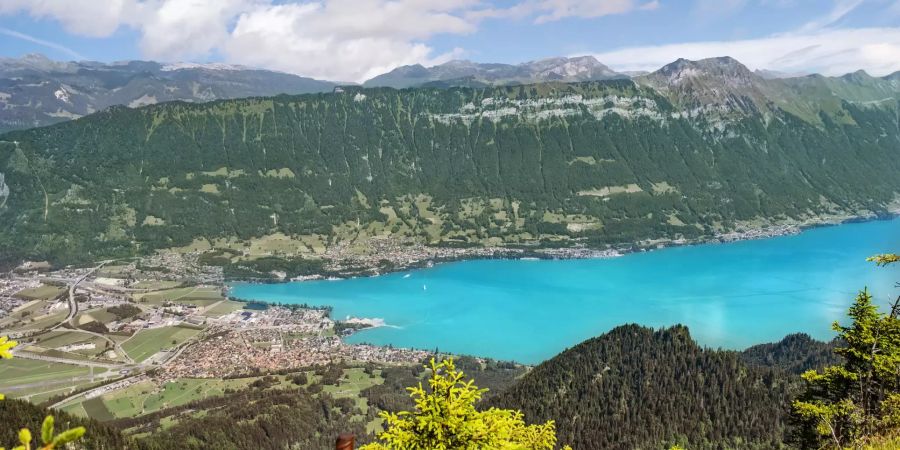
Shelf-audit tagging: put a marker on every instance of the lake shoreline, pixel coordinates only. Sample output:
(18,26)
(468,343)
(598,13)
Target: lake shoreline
(698,288)
(450,254)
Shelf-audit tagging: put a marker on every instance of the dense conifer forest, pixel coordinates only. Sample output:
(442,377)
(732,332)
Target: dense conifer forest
(17,414)
(639,388)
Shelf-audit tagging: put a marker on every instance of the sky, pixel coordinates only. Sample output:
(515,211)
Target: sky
(353,40)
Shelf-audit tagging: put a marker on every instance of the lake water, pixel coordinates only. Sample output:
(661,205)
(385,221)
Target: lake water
(729,295)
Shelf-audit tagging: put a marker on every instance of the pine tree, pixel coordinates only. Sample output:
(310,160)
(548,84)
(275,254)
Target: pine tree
(858,400)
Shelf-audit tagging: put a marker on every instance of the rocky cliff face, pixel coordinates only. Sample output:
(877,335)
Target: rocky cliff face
(4,191)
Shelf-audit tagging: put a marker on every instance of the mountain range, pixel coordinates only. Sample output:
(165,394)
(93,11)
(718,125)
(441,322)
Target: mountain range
(693,150)
(468,73)
(35,91)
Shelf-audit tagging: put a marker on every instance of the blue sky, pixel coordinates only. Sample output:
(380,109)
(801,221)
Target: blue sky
(350,40)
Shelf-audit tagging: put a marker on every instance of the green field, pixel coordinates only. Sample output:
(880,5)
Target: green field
(156,284)
(197,295)
(19,371)
(147,343)
(39,322)
(352,384)
(44,292)
(97,409)
(99,315)
(146,397)
(58,338)
(223,308)
(40,394)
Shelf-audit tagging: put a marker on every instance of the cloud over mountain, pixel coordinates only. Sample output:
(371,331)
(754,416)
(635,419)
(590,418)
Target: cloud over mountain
(348,40)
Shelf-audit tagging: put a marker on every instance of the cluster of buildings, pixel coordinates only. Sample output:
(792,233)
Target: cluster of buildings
(298,320)
(757,233)
(242,352)
(9,287)
(275,338)
(171,266)
(401,253)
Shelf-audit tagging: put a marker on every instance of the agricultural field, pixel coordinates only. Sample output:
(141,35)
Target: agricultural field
(147,397)
(44,292)
(156,285)
(37,322)
(147,343)
(197,295)
(61,337)
(20,371)
(95,315)
(64,387)
(219,309)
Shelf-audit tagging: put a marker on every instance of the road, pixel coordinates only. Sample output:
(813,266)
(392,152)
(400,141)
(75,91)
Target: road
(73,310)
(73,305)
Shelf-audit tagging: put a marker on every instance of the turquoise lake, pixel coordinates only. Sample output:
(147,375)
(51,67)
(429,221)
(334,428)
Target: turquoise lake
(729,295)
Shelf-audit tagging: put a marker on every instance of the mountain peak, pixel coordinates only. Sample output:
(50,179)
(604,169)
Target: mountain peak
(722,83)
(720,66)
(35,57)
(860,76)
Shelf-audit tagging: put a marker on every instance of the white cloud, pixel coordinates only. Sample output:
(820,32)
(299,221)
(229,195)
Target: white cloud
(178,29)
(352,40)
(328,41)
(85,17)
(543,11)
(348,40)
(830,52)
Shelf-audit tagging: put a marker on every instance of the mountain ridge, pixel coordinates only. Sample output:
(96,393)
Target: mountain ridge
(37,91)
(581,68)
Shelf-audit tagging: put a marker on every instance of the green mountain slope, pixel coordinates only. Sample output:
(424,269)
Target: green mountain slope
(595,163)
(637,388)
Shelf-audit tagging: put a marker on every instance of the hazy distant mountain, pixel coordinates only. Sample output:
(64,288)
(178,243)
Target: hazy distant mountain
(776,74)
(468,73)
(634,73)
(36,91)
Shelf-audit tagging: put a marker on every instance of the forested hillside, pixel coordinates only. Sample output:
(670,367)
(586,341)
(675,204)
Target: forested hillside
(637,388)
(18,414)
(630,388)
(597,163)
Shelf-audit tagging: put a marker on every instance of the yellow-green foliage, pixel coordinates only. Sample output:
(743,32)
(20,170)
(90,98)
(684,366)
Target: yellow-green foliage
(849,404)
(885,259)
(5,346)
(49,439)
(446,419)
